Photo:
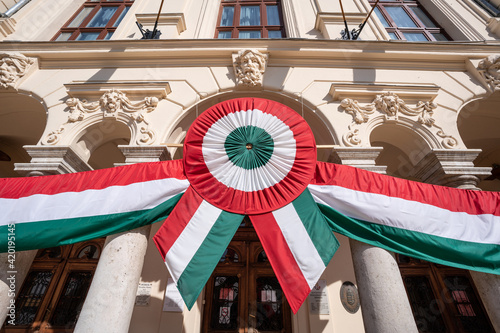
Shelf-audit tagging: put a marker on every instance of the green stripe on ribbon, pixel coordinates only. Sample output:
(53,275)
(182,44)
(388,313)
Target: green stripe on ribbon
(45,234)
(249,147)
(441,250)
(198,271)
(317,228)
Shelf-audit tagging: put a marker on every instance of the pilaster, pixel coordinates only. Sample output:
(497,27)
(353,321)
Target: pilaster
(359,157)
(51,160)
(141,154)
(451,167)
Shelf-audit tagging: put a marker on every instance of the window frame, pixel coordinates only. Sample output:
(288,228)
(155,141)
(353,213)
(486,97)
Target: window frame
(82,27)
(436,275)
(264,28)
(61,267)
(420,26)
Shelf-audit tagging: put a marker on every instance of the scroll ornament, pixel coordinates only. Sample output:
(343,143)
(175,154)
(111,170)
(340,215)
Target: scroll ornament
(489,69)
(393,107)
(112,103)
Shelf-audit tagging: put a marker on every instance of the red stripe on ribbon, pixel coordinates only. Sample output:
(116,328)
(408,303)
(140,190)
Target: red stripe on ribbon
(175,223)
(15,188)
(455,200)
(281,258)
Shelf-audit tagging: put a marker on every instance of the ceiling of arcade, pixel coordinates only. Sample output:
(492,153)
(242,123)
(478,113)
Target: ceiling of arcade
(479,127)
(22,122)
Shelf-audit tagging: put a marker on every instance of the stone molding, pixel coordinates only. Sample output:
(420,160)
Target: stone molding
(392,108)
(328,23)
(113,105)
(215,52)
(47,160)
(494,25)
(365,91)
(453,168)
(165,19)
(249,67)
(141,154)
(13,67)
(489,69)
(7,26)
(359,157)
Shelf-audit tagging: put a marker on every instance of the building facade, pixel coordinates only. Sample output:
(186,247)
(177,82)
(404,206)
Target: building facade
(416,96)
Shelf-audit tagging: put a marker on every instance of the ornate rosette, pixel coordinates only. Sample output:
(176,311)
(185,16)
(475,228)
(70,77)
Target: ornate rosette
(249,155)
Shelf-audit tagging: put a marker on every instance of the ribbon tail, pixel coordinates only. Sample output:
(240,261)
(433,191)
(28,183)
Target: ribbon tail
(299,245)
(192,240)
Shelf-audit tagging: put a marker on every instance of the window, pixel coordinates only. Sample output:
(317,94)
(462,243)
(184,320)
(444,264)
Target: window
(443,299)
(490,6)
(407,20)
(243,294)
(96,19)
(55,288)
(250,19)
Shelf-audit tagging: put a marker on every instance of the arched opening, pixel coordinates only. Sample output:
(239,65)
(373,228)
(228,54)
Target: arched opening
(22,122)
(478,125)
(98,144)
(403,149)
(323,134)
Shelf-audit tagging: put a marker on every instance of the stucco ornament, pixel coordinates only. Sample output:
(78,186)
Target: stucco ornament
(113,104)
(489,69)
(393,107)
(249,68)
(12,68)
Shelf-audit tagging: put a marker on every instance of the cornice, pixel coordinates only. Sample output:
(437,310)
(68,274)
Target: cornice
(285,52)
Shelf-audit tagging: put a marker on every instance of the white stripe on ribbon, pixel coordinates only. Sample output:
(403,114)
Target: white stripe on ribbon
(190,239)
(409,215)
(300,244)
(278,166)
(110,200)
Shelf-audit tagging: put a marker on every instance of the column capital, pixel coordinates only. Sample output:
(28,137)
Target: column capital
(451,167)
(51,160)
(359,157)
(141,154)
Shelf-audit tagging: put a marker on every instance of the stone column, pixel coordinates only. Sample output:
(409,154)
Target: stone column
(46,160)
(455,168)
(384,302)
(12,278)
(110,301)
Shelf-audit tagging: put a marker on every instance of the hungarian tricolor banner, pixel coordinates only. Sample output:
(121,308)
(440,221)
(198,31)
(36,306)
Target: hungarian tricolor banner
(250,157)
(254,157)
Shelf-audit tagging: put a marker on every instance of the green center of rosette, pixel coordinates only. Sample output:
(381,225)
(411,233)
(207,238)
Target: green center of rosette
(249,147)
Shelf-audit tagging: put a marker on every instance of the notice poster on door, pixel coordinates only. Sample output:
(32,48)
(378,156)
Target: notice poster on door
(173,301)
(318,299)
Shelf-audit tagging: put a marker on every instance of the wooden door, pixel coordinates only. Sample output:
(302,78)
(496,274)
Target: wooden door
(243,295)
(55,288)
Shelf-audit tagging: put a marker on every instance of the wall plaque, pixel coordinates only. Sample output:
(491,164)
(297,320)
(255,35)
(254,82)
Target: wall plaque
(143,294)
(318,299)
(349,297)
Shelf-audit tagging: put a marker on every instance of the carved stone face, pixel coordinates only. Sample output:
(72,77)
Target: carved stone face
(111,102)
(250,66)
